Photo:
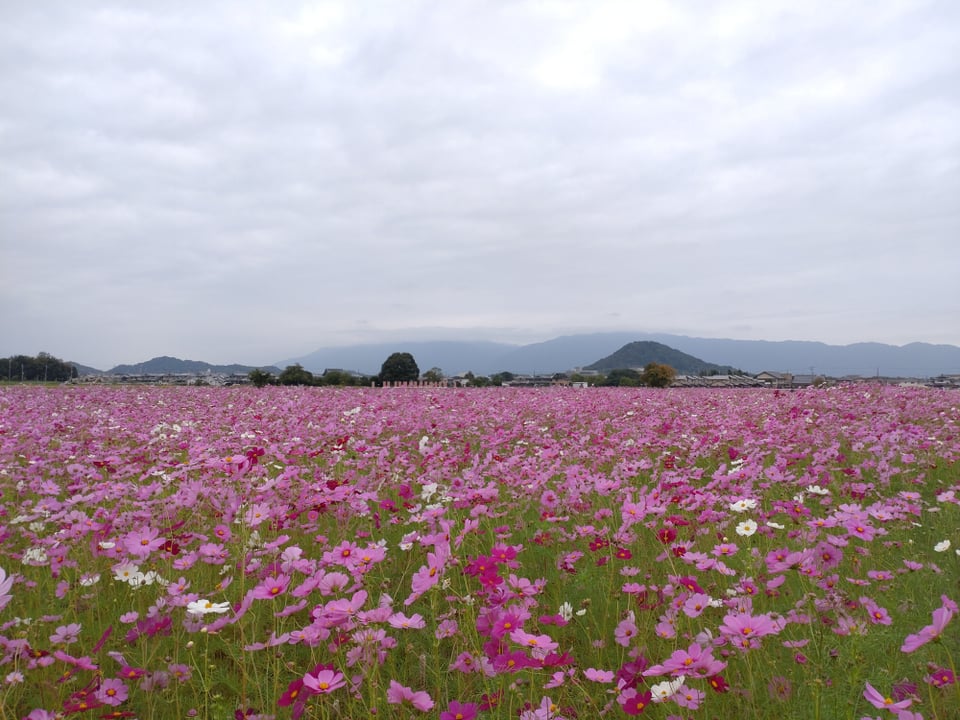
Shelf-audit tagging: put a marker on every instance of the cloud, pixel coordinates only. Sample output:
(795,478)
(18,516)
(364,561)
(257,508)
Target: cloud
(245,181)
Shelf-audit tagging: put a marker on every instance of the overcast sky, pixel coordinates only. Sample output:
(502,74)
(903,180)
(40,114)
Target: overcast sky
(250,181)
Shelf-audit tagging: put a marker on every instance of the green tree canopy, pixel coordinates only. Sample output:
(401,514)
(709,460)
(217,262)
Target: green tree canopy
(296,375)
(434,374)
(622,377)
(658,375)
(259,378)
(44,367)
(399,367)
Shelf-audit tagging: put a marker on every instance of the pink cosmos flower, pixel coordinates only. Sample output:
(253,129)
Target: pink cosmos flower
(873,696)
(539,645)
(626,630)
(401,621)
(180,672)
(257,513)
(695,661)
(143,541)
(689,698)
(271,587)
(66,634)
(324,681)
(112,692)
(507,622)
(744,629)
(876,614)
(397,694)
(941,616)
(601,676)
(694,605)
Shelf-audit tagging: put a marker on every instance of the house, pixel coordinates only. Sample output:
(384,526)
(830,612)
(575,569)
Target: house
(774,379)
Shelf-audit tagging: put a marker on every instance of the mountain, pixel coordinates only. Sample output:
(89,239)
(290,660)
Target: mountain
(864,359)
(576,351)
(639,354)
(85,369)
(919,360)
(174,366)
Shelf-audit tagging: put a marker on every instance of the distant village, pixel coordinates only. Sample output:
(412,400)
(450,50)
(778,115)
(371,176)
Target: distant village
(577,377)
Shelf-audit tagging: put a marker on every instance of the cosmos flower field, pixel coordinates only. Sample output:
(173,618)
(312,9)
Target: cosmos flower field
(479,553)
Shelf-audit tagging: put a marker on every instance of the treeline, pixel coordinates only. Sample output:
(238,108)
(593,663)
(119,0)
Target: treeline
(44,368)
(298,375)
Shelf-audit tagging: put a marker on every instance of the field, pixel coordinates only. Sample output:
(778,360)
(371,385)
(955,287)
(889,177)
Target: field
(494,553)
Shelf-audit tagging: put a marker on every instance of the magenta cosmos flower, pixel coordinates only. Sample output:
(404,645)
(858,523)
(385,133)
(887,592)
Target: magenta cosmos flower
(459,711)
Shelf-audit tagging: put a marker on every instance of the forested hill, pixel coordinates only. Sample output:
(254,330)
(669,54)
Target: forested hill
(639,354)
(173,366)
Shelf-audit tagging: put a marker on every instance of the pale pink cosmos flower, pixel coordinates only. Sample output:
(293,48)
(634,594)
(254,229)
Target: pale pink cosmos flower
(539,645)
(694,605)
(601,676)
(626,630)
(401,621)
(941,616)
(695,661)
(271,587)
(143,541)
(873,696)
(112,692)
(689,698)
(66,634)
(743,629)
(398,694)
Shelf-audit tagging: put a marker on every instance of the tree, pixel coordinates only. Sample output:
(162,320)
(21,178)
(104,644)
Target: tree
(399,367)
(433,375)
(259,378)
(622,377)
(501,377)
(658,375)
(335,376)
(44,367)
(296,375)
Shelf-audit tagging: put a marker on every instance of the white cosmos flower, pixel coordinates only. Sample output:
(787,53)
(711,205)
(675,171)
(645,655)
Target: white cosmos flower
(125,571)
(34,556)
(942,546)
(743,505)
(747,528)
(203,607)
(667,689)
(817,490)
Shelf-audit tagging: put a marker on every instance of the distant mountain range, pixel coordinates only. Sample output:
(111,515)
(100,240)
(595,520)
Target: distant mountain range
(639,354)
(175,366)
(920,360)
(578,351)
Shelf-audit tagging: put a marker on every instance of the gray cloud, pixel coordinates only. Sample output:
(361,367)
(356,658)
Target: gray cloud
(249,181)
